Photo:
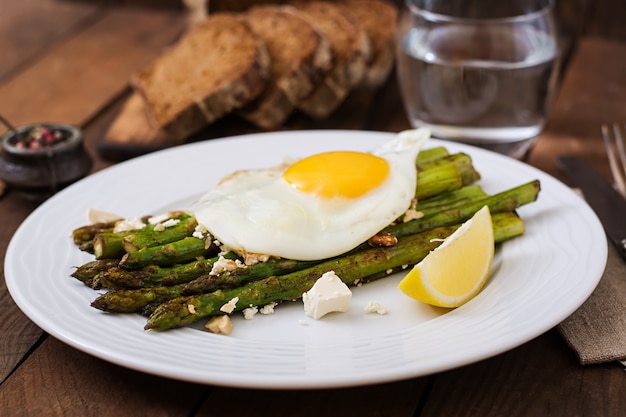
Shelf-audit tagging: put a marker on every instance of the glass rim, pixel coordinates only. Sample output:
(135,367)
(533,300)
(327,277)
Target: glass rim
(516,18)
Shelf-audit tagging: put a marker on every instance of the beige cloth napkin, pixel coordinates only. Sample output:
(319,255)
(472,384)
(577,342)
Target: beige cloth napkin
(597,330)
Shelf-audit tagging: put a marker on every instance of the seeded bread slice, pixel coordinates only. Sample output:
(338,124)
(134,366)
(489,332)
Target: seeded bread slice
(379,20)
(216,67)
(351,50)
(299,56)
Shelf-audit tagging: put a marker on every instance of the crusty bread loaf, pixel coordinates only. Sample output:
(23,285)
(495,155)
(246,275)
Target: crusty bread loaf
(216,67)
(224,63)
(379,20)
(351,50)
(299,57)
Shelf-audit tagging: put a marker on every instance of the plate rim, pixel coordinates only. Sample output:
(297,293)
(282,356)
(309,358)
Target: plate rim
(298,382)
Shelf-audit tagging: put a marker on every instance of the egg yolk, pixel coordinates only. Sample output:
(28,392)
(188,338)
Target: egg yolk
(337,174)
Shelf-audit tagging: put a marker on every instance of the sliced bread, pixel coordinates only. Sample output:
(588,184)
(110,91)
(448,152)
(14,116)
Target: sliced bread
(351,50)
(379,20)
(131,127)
(299,56)
(216,67)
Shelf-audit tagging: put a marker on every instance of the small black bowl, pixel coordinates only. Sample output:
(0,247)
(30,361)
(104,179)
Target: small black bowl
(40,159)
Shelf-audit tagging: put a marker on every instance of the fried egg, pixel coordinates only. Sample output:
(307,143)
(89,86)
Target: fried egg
(318,207)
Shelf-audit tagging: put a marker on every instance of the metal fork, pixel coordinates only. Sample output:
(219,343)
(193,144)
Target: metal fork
(614,144)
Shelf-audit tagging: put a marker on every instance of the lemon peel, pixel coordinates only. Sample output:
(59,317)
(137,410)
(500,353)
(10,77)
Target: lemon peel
(456,270)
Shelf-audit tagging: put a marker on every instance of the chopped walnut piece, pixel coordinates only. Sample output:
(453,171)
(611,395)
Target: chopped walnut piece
(219,325)
(250,258)
(382,239)
(412,215)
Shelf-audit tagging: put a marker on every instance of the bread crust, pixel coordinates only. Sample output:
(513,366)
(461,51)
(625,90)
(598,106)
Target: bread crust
(131,126)
(216,67)
(299,55)
(379,20)
(234,61)
(352,51)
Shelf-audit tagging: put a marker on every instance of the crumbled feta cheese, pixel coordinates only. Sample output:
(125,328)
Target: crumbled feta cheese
(224,249)
(229,307)
(249,258)
(328,294)
(375,307)
(200,232)
(250,312)
(99,216)
(219,325)
(170,222)
(225,265)
(127,225)
(268,308)
(158,219)
(160,226)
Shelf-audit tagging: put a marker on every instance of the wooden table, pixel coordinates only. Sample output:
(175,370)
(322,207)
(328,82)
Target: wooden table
(71,63)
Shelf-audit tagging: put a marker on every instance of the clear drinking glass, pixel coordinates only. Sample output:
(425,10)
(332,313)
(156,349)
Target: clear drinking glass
(479,71)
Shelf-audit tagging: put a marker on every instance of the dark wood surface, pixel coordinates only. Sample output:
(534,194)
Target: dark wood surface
(71,62)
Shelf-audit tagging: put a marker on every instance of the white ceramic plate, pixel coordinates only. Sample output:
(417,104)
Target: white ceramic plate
(538,279)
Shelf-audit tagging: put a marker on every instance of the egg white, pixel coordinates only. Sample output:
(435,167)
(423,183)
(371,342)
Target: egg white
(257,211)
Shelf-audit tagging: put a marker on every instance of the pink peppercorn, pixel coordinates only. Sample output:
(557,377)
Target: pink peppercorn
(40,137)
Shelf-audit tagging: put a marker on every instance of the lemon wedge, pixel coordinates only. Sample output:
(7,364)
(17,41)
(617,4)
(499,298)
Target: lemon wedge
(456,270)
